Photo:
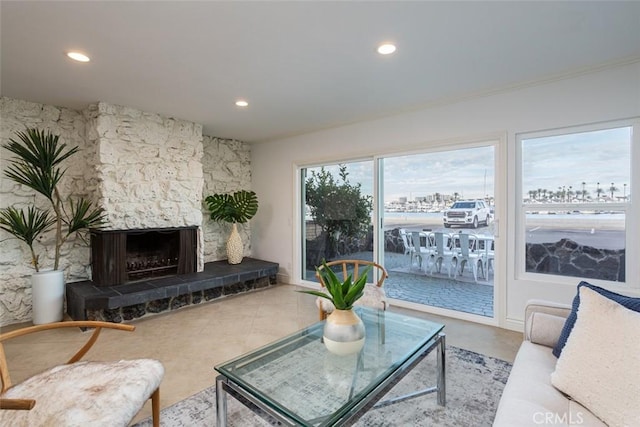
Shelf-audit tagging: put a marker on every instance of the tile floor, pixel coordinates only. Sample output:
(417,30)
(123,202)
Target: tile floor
(191,341)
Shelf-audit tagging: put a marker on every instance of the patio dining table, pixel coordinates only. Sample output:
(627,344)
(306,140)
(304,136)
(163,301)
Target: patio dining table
(480,244)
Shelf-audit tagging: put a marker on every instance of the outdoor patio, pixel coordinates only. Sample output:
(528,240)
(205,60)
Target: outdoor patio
(409,283)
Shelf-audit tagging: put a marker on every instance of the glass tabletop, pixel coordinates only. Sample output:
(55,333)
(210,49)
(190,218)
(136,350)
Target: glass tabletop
(300,378)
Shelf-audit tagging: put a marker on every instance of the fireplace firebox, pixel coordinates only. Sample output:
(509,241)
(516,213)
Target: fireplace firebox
(121,256)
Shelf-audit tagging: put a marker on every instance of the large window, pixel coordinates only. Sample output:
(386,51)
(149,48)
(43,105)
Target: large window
(575,192)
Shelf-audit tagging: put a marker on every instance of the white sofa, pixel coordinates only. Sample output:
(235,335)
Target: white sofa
(529,399)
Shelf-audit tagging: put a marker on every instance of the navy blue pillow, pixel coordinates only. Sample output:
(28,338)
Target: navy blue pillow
(628,302)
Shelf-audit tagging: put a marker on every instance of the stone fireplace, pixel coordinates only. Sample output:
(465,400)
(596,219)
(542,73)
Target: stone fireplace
(148,172)
(150,184)
(123,256)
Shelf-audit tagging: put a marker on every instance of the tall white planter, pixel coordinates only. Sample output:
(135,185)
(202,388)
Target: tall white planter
(235,248)
(47,293)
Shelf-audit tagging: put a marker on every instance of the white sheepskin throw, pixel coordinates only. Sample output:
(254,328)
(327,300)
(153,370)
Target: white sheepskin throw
(600,365)
(84,394)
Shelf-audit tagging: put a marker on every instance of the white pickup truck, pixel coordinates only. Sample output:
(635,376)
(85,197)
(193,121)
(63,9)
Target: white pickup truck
(467,212)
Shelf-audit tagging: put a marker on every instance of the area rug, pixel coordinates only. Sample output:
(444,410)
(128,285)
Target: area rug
(474,386)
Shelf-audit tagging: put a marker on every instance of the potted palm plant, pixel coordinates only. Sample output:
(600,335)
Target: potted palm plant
(37,164)
(343,332)
(235,208)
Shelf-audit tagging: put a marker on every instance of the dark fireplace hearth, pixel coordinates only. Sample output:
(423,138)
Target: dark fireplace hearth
(88,301)
(121,256)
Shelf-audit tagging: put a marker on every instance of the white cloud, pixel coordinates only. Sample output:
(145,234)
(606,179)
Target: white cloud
(549,163)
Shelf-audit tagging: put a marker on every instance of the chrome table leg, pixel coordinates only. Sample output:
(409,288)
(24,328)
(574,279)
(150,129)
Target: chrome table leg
(221,402)
(442,379)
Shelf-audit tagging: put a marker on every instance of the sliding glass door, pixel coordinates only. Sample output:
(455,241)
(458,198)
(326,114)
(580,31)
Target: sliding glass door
(438,227)
(436,224)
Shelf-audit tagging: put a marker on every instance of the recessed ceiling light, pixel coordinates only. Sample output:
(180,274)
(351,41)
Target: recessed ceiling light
(242,103)
(77,56)
(386,49)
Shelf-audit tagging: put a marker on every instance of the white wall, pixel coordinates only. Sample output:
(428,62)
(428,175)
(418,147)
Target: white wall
(592,97)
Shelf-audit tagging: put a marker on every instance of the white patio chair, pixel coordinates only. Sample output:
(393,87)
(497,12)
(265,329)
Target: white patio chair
(420,251)
(429,251)
(467,254)
(442,253)
(408,245)
(486,246)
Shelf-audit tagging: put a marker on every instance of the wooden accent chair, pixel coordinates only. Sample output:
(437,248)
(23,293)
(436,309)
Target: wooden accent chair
(374,295)
(80,393)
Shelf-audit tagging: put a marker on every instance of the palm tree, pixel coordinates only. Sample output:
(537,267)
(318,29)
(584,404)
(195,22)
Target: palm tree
(612,189)
(598,190)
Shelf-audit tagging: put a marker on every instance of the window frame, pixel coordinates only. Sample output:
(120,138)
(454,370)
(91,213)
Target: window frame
(629,208)
(301,176)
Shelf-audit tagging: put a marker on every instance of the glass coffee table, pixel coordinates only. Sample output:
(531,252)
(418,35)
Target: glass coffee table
(298,382)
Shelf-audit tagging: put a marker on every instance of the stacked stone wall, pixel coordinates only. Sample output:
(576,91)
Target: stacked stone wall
(15,267)
(393,241)
(227,165)
(320,247)
(123,314)
(149,167)
(145,170)
(568,258)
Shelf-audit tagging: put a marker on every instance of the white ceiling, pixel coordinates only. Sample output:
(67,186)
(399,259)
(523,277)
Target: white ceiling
(302,66)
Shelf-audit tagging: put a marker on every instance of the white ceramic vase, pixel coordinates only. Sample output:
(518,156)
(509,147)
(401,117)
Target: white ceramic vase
(343,332)
(47,296)
(235,248)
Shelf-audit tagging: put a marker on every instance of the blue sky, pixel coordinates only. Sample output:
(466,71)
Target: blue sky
(550,162)
(460,171)
(419,175)
(568,160)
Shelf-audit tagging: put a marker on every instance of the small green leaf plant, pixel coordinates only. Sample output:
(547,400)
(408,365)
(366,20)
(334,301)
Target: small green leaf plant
(36,164)
(240,206)
(343,294)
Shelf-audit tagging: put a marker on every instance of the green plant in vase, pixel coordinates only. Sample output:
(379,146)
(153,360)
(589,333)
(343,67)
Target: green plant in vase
(343,332)
(235,208)
(37,164)
(342,293)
